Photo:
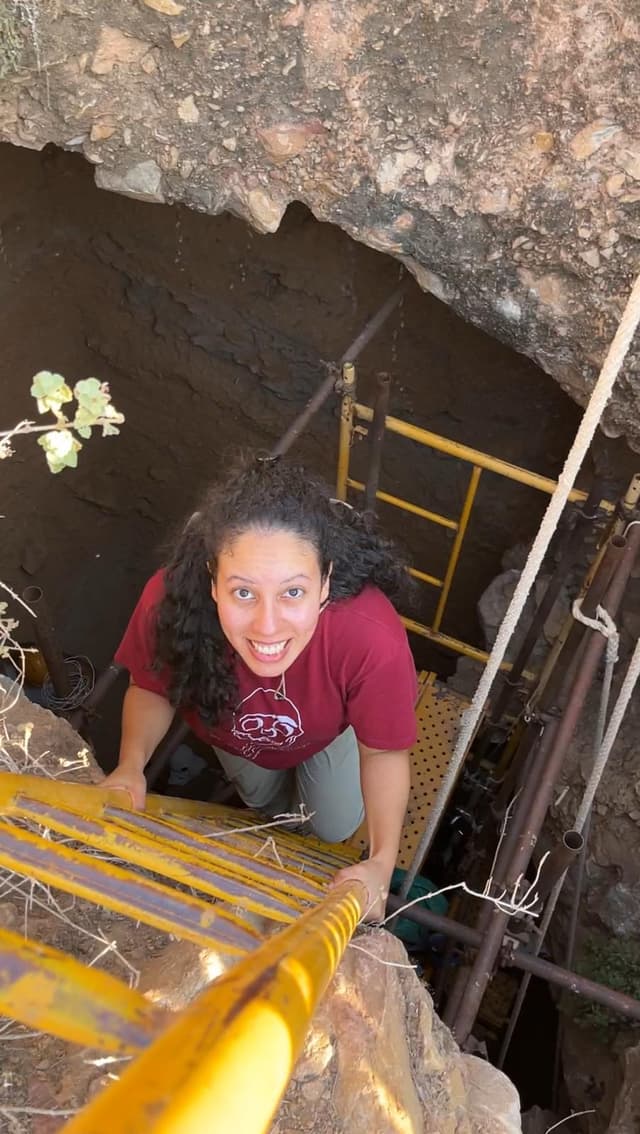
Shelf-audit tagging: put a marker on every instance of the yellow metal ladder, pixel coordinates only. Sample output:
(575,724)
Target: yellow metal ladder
(204,873)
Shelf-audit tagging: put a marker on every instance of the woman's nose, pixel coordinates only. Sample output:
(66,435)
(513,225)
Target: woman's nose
(265,620)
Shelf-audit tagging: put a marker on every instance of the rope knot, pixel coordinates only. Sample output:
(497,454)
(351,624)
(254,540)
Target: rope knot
(604,624)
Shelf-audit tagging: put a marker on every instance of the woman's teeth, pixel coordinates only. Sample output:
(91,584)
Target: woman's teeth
(270,650)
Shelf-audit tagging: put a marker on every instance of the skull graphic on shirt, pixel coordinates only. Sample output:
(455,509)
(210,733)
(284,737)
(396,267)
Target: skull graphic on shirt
(266,719)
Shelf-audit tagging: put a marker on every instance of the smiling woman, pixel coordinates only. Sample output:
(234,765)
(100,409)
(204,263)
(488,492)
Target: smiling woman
(272,632)
(269,619)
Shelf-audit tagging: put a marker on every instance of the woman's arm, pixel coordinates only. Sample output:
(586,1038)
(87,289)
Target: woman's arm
(385,778)
(146,718)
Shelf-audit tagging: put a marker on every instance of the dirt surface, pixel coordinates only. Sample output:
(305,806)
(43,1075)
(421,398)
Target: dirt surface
(212,338)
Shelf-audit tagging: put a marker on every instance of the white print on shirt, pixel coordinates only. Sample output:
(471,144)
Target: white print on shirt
(260,729)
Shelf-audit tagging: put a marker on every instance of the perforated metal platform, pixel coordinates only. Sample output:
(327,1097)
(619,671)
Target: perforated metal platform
(438,713)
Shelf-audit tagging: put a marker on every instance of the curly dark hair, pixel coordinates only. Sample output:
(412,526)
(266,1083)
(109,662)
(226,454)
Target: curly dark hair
(267,494)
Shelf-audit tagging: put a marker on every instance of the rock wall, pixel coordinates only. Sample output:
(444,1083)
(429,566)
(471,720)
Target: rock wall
(493,148)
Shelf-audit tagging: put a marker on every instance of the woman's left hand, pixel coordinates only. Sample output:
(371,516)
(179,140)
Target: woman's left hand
(375,877)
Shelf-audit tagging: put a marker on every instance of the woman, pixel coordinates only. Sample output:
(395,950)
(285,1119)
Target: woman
(271,631)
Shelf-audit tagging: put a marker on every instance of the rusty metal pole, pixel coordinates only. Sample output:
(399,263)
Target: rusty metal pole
(108,677)
(529,764)
(555,866)
(555,740)
(46,639)
(548,701)
(521,959)
(376,439)
(328,385)
(573,542)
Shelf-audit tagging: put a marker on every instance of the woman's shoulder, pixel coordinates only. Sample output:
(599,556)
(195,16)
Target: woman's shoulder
(371,611)
(153,591)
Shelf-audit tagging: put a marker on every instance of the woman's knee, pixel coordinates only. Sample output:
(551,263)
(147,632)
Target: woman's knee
(335,828)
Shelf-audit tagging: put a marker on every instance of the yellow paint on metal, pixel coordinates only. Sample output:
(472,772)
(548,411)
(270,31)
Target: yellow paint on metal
(158,855)
(44,989)
(457,545)
(346,428)
(170,849)
(438,714)
(407,506)
(474,456)
(430,579)
(455,644)
(309,848)
(124,891)
(225,1063)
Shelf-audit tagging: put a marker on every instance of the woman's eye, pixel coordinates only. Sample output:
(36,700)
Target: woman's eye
(243,593)
(294,592)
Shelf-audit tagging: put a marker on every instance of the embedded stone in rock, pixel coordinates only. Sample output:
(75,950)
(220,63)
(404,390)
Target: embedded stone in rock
(592,137)
(188,111)
(142,181)
(288,139)
(116,48)
(265,212)
(166,7)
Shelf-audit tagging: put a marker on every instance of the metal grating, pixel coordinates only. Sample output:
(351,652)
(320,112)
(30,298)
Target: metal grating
(438,713)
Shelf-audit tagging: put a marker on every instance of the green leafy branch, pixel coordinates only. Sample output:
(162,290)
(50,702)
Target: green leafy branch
(94,409)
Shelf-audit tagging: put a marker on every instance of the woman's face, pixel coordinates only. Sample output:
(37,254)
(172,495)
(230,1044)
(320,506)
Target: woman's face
(269,591)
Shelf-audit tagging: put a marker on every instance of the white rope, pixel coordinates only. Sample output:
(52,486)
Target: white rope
(619,710)
(604,624)
(471,718)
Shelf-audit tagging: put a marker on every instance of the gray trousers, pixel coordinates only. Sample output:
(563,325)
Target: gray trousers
(328,784)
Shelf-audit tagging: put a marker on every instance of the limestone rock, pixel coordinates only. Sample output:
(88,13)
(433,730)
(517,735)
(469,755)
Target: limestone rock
(188,111)
(377,1058)
(48,738)
(475,145)
(166,7)
(115,48)
(142,181)
(288,139)
(626,1115)
(492,1101)
(179,973)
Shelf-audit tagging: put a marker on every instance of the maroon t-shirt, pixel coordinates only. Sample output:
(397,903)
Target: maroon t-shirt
(356,670)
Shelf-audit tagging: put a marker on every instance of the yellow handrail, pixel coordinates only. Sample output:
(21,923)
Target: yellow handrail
(47,990)
(407,506)
(346,428)
(224,1065)
(353,411)
(457,545)
(474,456)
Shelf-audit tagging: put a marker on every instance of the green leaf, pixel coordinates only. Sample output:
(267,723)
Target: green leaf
(50,391)
(83,430)
(61,449)
(93,398)
(109,430)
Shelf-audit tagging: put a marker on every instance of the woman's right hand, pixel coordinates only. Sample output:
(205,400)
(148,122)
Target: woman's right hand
(128,779)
